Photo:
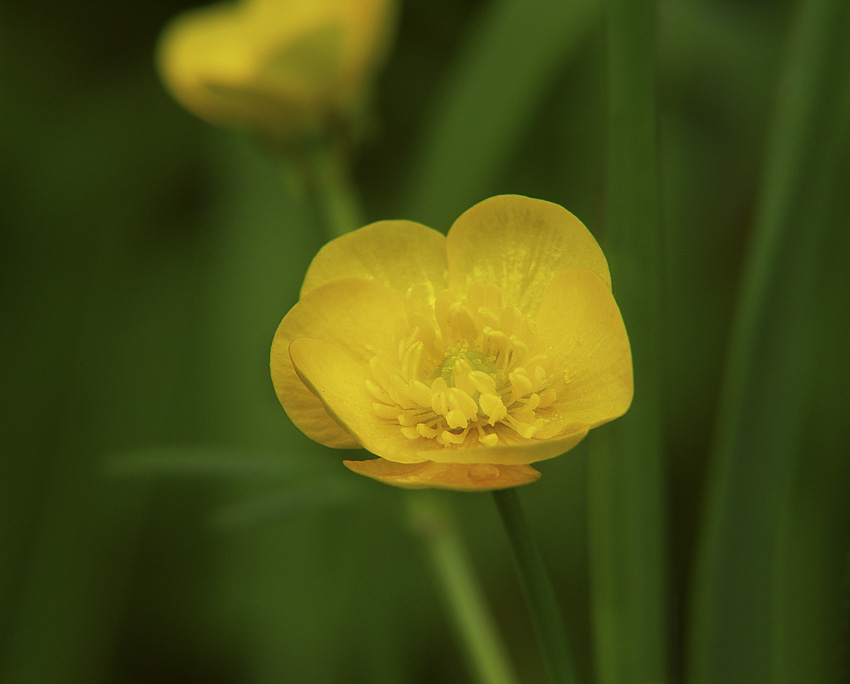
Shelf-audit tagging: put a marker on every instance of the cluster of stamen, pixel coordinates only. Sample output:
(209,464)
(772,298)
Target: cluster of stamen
(463,371)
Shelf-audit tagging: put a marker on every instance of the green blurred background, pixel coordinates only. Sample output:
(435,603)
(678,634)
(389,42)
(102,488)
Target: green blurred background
(161,519)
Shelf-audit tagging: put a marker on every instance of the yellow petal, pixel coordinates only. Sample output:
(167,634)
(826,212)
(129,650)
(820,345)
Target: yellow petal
(199,46)
(511,449)
(580,324)
(339,382)
(356,316)
(461,477)
(398,254)
(519,244)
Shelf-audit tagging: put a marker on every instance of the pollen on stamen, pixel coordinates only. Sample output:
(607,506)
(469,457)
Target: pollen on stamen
(420,393)
(462,369)
(426,431)
(411,360)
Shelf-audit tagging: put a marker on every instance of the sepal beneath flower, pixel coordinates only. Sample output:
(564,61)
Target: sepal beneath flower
(479,477)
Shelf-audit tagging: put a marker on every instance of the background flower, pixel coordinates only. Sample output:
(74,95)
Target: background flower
(276,66)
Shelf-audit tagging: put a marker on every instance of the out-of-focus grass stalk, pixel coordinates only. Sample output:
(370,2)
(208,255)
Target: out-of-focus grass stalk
(483,109)
(67,607)
(811,624)
(627,532)
(541,599)
(484,648)
(764,404)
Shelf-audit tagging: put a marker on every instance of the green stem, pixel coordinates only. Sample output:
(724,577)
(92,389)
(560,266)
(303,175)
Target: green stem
(484,649)
(542,603)
(626,510)
(336,198)
(319,173)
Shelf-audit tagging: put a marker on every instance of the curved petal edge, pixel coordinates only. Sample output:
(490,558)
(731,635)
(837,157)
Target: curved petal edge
(480,477)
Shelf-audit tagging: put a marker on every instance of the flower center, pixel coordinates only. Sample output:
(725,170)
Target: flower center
(463,371)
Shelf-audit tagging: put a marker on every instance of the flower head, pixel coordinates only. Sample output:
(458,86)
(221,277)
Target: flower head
(274,66)
(458,360)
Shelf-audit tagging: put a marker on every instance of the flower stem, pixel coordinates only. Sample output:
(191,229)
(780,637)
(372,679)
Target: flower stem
(539,594)
(337,201)
(319,174)
(486,654)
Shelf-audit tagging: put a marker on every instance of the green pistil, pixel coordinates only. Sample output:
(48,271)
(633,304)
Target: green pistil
(475,359)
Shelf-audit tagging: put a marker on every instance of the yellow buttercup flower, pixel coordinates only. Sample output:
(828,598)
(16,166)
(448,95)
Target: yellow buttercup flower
(458,360)
(274,66)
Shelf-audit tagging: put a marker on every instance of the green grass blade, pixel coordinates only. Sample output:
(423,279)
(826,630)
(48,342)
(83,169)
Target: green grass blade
(485,106)
(768,381)
(627,537)
(539,594)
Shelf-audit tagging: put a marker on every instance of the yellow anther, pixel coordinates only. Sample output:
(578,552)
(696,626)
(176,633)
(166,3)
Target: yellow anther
(523,429)
(447,437)
(410,433)
(412,336)
(461,401)
(420,393)
(496,339)
(461,372)
(439,403)
(425,431)
(483,382)
(407,419)
(411,361)
(489,440)
(520,383)
(493,407)
(518,347)
(456,419)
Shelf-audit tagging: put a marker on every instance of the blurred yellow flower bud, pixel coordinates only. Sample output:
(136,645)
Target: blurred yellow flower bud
(277,67)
